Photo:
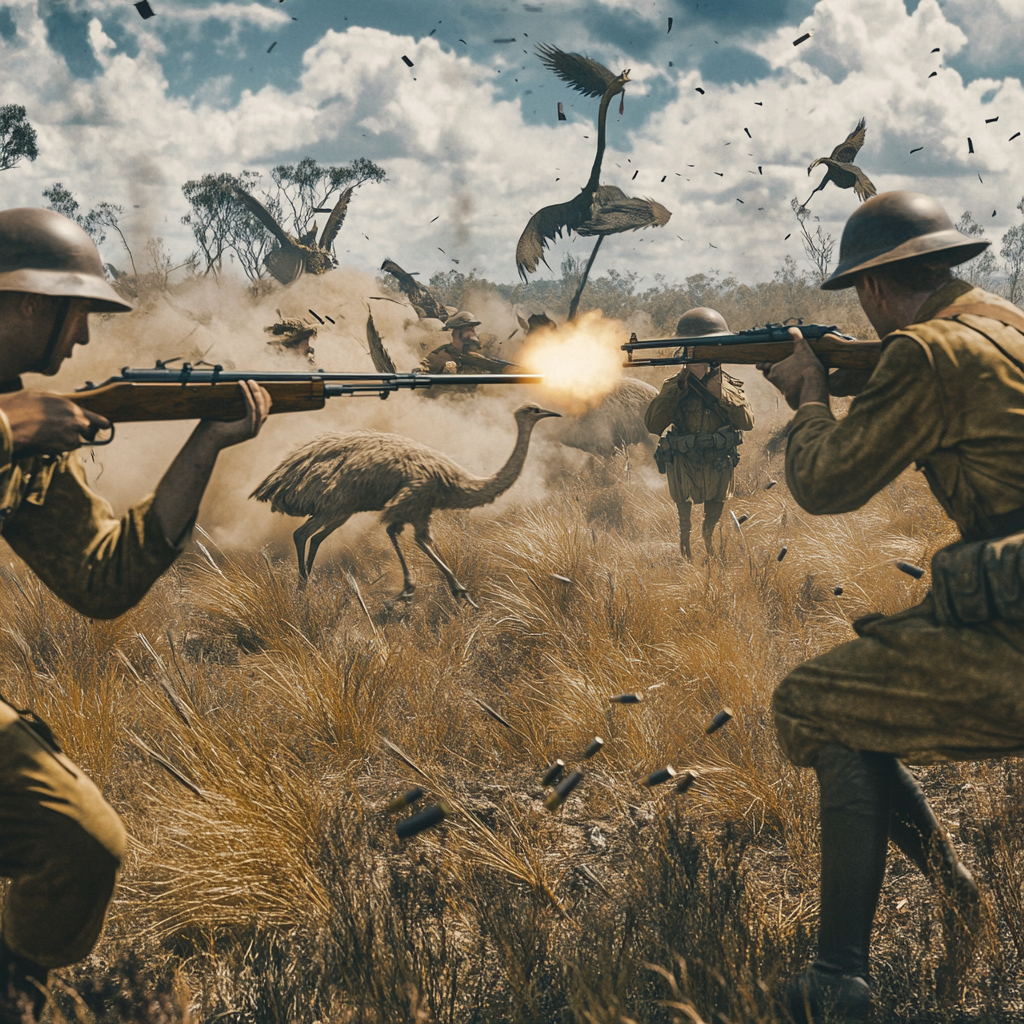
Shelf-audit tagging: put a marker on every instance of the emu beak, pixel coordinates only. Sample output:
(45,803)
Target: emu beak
(544,413)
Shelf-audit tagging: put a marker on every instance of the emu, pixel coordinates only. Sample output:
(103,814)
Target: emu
(334,477)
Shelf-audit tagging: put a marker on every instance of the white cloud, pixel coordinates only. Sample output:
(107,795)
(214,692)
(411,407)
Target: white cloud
(452,147)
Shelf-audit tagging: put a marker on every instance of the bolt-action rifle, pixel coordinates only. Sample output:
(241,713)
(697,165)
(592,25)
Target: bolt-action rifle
(768,344)
(188,392)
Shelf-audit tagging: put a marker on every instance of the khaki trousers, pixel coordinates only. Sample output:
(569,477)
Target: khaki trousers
(61,844)
(911,687)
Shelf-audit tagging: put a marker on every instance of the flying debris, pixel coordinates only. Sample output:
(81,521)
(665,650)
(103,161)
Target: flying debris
(1012,137)
(933,74)
(700,90)
(759,171)
(918,150)
(936,50)
(510,40)
(991,120)
(488,710)
(713,246)
(561,112)
(758,103)
(407,799)
(720,174)
(970,145)
(993,213)
(330,319)
(593,747)
(464,43)
(747,130)
(271,46)
(635,173)
(787,237)
(685,781)
(665,774)
(435,218)
(669,26)
(553,773)
(408,63)
(420,822)
(782,553)
(838,591)
(802,39)
(842,171)
(981,179)
(317,316)
(716,723)
(144,9)
(432,31)
(440,250)
(738,200)
(914,571)
(558,795)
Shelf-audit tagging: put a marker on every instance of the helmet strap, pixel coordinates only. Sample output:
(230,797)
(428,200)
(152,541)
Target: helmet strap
(63,306)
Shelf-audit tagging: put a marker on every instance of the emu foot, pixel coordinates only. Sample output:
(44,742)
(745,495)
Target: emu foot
(463,595)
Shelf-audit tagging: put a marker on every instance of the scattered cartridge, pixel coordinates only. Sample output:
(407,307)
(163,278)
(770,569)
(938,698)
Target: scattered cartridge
(553,773)
(666,774)
(685,781)
(782,553)
(626,698)
(420,821)
(914,571)
(594,747)
(560,793)
(407,799)
(719,720)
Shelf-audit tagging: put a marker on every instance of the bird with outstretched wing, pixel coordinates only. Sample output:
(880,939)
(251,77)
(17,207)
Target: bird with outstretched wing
(842,171)
(419,295)
(598,209)
(336,219)
(382,361)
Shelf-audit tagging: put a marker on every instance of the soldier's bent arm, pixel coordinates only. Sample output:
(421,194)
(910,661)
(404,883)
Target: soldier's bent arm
(69,536)
(837,466)
(664,406)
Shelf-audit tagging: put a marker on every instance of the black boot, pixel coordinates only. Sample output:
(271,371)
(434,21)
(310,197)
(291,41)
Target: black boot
(22,988)
(916,832)
(854,788)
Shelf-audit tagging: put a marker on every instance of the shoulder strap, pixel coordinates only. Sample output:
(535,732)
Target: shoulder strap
(1007,317)
(712,404)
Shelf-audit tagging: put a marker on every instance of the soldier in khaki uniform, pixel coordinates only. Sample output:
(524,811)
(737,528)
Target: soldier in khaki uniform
(699,414)
(61,843)
(942,680)
(450,357)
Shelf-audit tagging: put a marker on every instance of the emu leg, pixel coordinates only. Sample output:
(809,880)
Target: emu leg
(459,592)
(394,529)
(312,525)
(583,280)
(318,538)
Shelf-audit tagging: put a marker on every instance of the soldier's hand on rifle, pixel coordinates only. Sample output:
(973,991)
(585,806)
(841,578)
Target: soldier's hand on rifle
(842,383)
(45,424)
(221,434)
(800,377)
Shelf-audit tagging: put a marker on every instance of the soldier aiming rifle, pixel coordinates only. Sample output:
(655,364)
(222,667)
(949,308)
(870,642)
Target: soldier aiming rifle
(940,681)
(699,413)
(61,843)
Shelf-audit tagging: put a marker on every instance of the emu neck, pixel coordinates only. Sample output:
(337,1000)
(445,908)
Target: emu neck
(602,118)
(483,492)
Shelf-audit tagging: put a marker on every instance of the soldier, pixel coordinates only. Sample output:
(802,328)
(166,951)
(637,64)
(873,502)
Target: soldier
(940,681)
(61,843)
(450,357)
(699,414)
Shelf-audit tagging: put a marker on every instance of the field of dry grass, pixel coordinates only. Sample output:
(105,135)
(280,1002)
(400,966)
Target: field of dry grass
(236,723)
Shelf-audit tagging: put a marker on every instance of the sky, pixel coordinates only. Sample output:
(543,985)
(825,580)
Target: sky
(127,109)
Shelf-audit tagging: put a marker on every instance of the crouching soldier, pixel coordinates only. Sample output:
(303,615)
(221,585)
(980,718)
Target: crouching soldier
(699,413)
(940,681)
(61,843)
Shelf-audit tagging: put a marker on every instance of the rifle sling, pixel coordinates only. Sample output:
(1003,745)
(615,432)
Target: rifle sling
(712,404)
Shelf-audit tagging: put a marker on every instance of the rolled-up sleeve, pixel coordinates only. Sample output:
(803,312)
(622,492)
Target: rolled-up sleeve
(835,466)
(71,539)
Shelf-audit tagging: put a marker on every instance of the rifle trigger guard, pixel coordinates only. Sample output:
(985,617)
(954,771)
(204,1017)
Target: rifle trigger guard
(99,444)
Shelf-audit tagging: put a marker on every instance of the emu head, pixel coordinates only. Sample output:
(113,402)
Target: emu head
(531,414)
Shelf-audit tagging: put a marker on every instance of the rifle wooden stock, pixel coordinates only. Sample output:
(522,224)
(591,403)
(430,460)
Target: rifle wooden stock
(833,353)
(132,402)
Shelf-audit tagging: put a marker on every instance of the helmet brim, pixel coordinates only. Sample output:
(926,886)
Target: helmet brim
(66,284)
(950,242)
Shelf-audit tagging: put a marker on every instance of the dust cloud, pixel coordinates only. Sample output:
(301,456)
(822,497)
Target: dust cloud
(221,322)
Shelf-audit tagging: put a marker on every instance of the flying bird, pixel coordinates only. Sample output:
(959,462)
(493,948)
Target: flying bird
(302,255)
(598,209)
(842,171)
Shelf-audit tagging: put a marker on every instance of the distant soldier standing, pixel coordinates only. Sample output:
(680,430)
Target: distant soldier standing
(61,843)
(941,681)
(699,414)
(451,356)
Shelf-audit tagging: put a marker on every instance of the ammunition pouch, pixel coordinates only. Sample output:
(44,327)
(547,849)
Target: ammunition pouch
(716,449)
(979,581)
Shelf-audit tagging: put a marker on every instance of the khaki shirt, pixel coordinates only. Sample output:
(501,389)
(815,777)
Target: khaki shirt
(70,538)
(442,360)
(677,403)
(942,396)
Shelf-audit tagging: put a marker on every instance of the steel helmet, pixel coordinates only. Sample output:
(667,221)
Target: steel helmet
(47,254)
(898,226)
(701,321)
(462,319)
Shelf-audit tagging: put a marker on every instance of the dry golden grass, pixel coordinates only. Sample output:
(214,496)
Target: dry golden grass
(236,722)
